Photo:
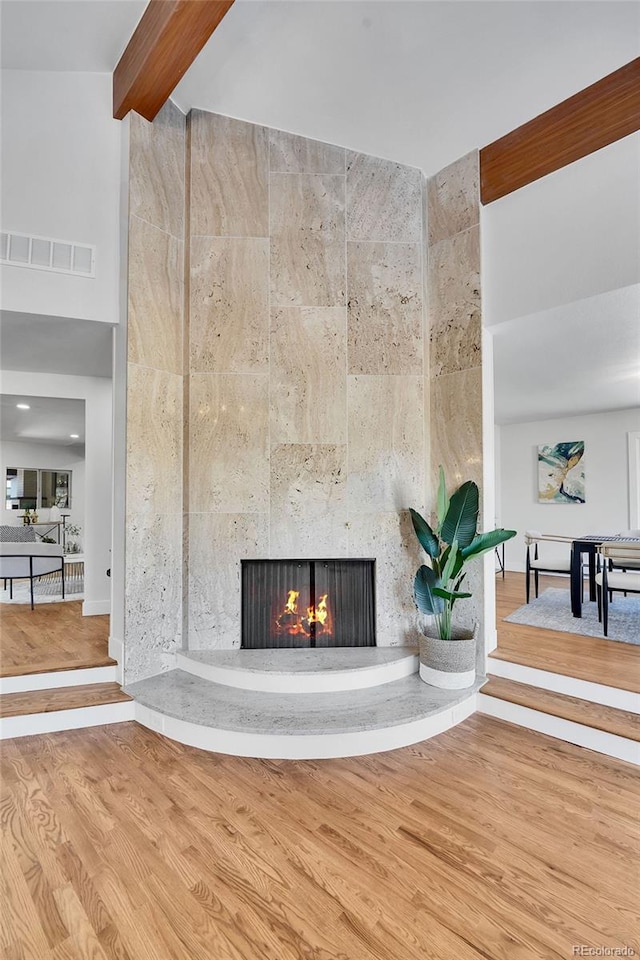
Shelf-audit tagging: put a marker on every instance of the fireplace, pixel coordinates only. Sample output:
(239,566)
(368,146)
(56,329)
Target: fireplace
(308,603)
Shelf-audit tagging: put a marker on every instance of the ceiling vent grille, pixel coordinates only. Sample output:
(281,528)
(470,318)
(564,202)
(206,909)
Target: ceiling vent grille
(41,253)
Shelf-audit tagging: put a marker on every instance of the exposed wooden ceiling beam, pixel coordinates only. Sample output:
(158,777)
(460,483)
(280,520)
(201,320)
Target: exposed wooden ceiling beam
(593,118)
(165,43)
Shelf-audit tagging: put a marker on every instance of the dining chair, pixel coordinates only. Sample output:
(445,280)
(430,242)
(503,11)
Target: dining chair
(540,564)
(618,574)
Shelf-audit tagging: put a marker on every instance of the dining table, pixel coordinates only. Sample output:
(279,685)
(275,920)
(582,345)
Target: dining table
(589,545)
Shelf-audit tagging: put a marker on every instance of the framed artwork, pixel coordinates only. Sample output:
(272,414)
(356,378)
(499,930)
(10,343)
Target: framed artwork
(561,472)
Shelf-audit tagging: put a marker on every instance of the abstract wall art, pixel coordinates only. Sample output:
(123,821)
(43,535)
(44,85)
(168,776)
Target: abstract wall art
(561,472)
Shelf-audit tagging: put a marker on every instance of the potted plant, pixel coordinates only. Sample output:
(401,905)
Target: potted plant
(447,652)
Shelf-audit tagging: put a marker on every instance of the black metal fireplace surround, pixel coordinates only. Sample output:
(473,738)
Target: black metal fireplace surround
(308,603)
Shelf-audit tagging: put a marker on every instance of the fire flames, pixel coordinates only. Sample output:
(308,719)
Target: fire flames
(316,621)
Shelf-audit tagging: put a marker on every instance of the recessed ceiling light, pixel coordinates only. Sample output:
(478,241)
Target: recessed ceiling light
(74,436)
(23,406)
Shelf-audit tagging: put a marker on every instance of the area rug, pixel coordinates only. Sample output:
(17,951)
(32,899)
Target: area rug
(552,611)
(44,591)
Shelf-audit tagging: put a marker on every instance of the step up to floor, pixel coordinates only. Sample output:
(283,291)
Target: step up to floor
(605,729)
(342,723)
(558,678)
(63,708)
(301,671)
(79,674)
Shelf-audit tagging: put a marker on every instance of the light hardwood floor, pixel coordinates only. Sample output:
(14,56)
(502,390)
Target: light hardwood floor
(603,661)
(53,636)
(489,842)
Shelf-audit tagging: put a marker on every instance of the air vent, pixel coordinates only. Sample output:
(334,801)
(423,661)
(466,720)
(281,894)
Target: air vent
(43,253)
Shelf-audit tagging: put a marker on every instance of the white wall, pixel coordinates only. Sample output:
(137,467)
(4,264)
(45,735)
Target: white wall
(571,235)
(97,394)
(44,456)
(61,179)
(606,479)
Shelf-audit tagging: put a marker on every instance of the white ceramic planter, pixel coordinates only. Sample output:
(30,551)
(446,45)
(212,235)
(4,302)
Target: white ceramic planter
(449,664)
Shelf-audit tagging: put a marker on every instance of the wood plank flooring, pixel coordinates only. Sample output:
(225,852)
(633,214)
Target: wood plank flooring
(61,698)
(619,722)
(52,637)
(603,661)
(489,842)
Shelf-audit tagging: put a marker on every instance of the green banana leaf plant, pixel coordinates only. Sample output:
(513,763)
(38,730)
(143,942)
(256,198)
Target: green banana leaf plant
(449,546)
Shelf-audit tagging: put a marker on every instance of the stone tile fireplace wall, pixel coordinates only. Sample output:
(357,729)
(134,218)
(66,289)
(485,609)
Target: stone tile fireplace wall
(307,433)
(283,399)
(153,569)
(455,324)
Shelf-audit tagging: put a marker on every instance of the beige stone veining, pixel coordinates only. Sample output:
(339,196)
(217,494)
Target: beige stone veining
(290,153)
(389,537)
(453,197)
(307,240)
(157,171)
(229,177)
(383,200)
(153,602)
(229,297)
(229,449)
(454,305)
(154,441)
(155,297)
(219,541)
(308,375)
(308,500)
(456,426)
(385,436)
(384,311)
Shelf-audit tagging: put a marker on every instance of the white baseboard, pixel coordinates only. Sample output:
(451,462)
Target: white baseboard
(571,686)
(96,608)
(58,678)
(582,736)
(31,724)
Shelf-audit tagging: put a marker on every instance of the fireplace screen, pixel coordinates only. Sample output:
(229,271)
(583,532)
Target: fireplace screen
(308,603)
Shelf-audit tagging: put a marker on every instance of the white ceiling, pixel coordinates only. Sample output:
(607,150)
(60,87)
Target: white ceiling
(582,357)
(419,82)
(83,35)
(49,420)
(81,348)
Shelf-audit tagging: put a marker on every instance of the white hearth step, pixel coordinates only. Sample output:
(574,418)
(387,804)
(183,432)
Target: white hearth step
(301,671)
(344,723)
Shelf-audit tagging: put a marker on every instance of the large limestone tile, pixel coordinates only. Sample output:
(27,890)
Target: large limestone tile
(307,240)
(229,291)
(389,538)
(229,177)
(456,427)
(386,443)
(454,311)
(453,198)
(153,604)
(154,441)
(155,297)
(290,153)
(157,169)
(218,542)
(229,443)
(384,309)
(308,500)
(308,375)
(383,200)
